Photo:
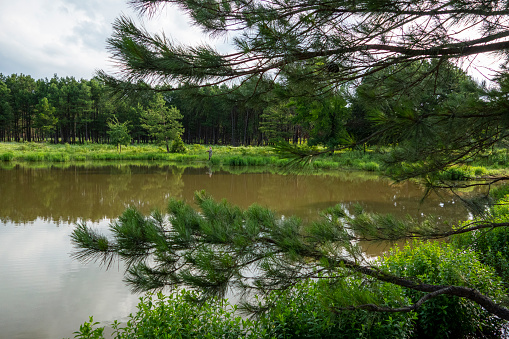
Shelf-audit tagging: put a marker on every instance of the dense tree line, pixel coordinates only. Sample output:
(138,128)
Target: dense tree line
(56,109)
(78,111)
(256,113)
(68,110)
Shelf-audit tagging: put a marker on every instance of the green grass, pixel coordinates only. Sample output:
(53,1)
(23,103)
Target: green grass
(222,155)
(494,162)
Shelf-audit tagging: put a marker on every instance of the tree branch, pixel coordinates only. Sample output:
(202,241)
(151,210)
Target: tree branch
(377,308)
(458,291)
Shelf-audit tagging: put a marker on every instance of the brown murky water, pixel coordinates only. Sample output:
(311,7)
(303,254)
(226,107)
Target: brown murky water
(103,192)
(45,294)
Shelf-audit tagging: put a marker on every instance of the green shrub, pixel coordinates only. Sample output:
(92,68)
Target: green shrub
(177,316)
(492,248)
(325,164)
(57,157)
(305,311)
(34,156)
(479,170)
(197,148)
(448,316)
(177,146)
(499,192)
(491,245)
(7,156)
(455,173)
(235,161)
(371,166)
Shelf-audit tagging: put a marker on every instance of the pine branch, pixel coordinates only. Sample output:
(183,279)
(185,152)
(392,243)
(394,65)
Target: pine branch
(218,248)
(356,37)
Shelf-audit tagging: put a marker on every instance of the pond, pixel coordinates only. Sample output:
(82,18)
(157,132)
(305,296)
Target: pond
(46,294)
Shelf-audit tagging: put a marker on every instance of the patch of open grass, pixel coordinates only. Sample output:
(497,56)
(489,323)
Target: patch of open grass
(229,156)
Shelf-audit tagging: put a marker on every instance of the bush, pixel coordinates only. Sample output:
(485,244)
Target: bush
(8,156)
(455,173)
(491,245)
(499,192)
(177,146)
(492,248)
(34,156)
(235,161)
(305,311)
(57,157)
(371,166)
(177,316)
(197,148)
(448,316)
(479,170)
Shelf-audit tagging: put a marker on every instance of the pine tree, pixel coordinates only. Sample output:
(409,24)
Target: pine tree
(45,119)
(162,122)
(119,133)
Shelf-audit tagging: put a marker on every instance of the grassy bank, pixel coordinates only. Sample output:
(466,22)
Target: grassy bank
(222,156)
(495,162)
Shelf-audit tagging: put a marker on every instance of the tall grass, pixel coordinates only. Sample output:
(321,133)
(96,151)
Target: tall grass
(229,156)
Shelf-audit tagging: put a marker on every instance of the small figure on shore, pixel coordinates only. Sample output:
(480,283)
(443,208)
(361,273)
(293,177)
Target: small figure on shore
(210,152)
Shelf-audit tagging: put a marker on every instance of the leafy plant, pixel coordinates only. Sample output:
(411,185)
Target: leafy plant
(88,330)
(178,146)
(442,264)
(178,316)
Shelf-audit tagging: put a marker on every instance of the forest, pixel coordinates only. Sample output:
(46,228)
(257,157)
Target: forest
(67,110)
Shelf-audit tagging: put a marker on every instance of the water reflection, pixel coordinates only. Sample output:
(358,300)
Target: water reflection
(45,294)
(65,195)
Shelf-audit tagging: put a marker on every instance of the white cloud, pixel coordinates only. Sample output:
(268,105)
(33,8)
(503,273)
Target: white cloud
(68,37)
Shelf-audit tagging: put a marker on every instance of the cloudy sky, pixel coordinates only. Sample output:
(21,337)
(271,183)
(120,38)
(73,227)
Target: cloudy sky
(41,38)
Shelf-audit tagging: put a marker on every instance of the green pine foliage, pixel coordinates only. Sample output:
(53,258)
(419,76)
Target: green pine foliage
(310,278)
(288,40)
(119,133)
(163,123)
(326,306)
